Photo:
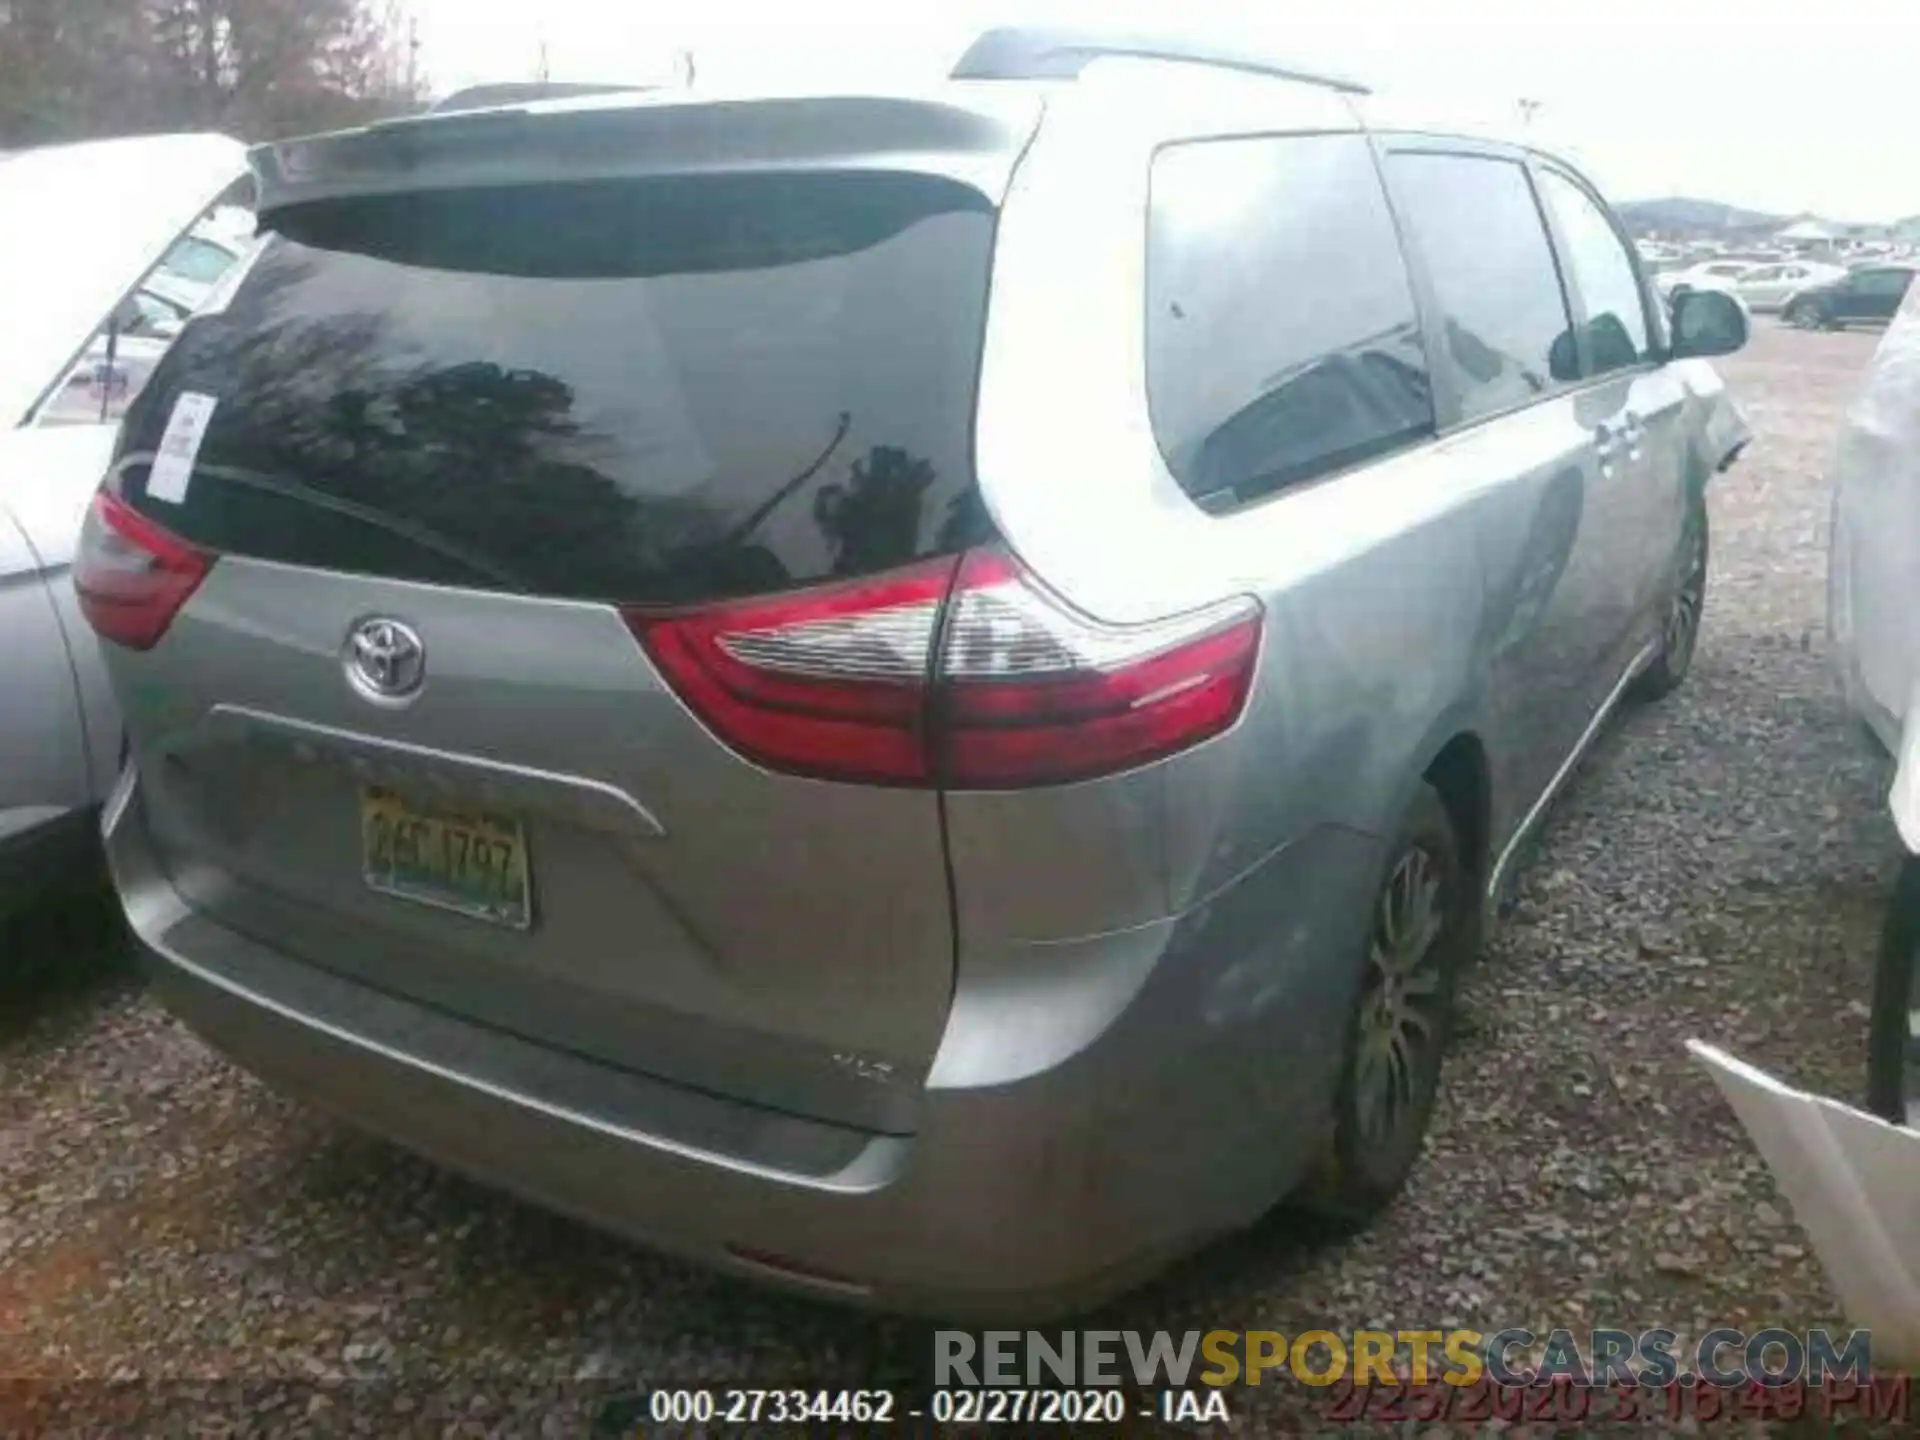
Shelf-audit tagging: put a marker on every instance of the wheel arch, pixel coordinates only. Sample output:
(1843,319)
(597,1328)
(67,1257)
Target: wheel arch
(1463,778)
(1456,763)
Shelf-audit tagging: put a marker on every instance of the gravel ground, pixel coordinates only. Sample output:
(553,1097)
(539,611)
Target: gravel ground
(1715,870)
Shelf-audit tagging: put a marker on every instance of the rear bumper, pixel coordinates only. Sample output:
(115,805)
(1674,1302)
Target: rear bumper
(1025,1197)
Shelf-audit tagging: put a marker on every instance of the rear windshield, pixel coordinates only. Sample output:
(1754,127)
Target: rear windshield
(661,390)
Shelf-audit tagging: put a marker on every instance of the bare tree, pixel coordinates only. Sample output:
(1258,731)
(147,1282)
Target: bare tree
(266,67)
(255,68)
(71,67)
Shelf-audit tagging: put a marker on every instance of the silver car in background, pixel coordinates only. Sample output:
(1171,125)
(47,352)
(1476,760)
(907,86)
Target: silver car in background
(87,226)
(1766,289)
(917,697)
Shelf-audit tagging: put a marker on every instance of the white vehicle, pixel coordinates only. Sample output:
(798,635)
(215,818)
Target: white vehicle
(1768,288)
(1873,583)
(1852,1176)
(119,358)
(1708,275)
(1656,255)
(80,329)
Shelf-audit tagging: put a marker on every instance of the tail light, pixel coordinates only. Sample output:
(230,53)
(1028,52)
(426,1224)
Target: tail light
(968,674)
(826,682)
(1033,692)
(133,575)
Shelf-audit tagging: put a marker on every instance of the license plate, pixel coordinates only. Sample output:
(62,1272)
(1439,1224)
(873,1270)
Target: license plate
(473,864)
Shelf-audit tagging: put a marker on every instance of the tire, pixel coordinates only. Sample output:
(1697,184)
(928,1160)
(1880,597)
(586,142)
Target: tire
(1893,1060)
(1807,317)
(1680,629)
(1372,1150)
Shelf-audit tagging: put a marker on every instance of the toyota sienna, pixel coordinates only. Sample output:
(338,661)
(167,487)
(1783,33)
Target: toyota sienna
(918,696)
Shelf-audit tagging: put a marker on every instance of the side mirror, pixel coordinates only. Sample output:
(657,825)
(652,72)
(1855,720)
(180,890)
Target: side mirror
(1707,322)
(1563,358)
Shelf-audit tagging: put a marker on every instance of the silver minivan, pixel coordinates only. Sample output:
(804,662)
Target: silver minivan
(921,697)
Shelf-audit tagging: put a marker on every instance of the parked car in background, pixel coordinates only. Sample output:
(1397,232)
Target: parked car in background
(1707,275)
(1767,288)
(654,689)
(79,332)
(1656,256)
(1870,294)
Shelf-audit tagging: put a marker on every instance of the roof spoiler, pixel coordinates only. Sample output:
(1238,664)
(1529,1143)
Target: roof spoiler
(523,92)
(615,135)
(1019,52)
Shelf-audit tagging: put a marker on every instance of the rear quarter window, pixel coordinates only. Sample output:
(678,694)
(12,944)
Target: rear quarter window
(1282,339)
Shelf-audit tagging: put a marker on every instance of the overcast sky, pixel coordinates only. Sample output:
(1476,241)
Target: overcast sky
(1782,105)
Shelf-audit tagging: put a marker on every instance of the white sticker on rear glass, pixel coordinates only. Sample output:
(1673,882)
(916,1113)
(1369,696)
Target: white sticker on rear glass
(179,445)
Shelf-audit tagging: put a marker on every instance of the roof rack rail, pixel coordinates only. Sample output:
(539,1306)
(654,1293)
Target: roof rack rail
(1020,52)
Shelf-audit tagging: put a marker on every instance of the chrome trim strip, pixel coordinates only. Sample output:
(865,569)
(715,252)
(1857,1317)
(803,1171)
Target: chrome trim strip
(119,796)
(375,759)
(1568,766)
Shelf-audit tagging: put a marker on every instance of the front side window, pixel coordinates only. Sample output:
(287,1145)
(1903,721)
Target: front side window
(1282,340)
(1502,311)
(1616,317)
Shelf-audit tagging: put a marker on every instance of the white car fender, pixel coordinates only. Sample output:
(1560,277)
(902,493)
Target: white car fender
(1850,1179)
(47,479)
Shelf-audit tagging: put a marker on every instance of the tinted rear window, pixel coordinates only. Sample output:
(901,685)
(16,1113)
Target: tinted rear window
(657,390)
(1282,342)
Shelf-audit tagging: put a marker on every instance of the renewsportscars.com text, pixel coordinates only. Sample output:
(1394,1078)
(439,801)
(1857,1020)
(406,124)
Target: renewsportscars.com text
(1512,1357)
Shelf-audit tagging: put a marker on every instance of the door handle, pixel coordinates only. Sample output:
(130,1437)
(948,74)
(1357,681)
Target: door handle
(1606,447)
(1632,432)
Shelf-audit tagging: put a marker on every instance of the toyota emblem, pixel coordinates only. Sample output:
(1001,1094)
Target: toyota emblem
(385,661)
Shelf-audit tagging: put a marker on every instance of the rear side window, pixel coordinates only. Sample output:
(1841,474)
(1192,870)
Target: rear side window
(657,390)
(1616,323)
(1282,342)
(1503,316)
(1883,282)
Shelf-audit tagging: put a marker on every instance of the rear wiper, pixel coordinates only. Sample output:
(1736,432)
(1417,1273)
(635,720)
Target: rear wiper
(421,535)
(787,487)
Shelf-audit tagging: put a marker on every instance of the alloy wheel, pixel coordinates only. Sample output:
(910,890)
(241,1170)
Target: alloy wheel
(1401,1007)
